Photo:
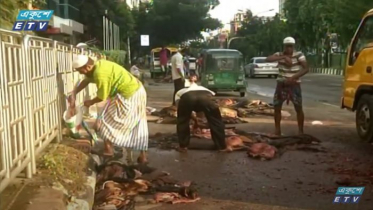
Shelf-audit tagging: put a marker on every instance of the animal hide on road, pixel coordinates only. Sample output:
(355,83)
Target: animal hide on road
(232,111)
(258,145)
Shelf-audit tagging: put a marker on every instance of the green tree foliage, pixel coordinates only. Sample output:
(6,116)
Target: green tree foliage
(311,20)
(307,21)
(142,27)
(260,36)
(174,21)
(345,16)
(92,12)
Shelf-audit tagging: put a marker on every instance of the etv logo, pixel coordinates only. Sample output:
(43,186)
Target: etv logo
(32,20)
(348,194)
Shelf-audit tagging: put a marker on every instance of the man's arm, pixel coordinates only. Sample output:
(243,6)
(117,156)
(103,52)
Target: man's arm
(275,57)
(302,72)
(89,103)
(96,100)
(305,69)
(83,84)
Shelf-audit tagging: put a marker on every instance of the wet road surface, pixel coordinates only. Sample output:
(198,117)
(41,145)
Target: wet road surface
(297,179)
(321,88)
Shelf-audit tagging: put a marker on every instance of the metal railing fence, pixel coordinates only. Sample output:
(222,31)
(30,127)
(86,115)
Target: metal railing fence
(35,76)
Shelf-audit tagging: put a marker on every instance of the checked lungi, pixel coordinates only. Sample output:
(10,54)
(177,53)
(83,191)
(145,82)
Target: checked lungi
(287,92)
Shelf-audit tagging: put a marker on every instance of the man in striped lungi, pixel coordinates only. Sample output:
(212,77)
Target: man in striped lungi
(123,122)
(292,66)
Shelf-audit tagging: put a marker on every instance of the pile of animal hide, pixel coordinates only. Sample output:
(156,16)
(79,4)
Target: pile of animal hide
(248,108)
(119,184)
(233,112)
(257,145)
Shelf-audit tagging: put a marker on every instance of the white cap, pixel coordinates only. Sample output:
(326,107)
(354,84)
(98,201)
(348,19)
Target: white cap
(80,61)
(82,45)
(289,40)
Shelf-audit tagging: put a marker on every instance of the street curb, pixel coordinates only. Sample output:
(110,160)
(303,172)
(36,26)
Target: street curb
(328,71)
(86,200)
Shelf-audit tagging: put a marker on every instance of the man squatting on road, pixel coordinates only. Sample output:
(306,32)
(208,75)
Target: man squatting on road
(292,66)
(198,99)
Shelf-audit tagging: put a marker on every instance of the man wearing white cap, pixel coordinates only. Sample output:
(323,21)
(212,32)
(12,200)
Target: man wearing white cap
(292,66)
(123,121)
(84,46)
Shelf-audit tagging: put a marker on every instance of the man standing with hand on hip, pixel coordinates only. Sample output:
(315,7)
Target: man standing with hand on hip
(292,66)
(177,72)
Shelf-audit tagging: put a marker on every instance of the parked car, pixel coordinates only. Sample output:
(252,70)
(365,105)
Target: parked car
(259,66)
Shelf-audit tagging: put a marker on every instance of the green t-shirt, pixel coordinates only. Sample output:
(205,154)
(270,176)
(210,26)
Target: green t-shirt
(109,76)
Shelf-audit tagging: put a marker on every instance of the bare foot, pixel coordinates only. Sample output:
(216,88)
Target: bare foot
(142,160)
(278,133)
(226,150)
(108,149)
(182,150)
(108,154)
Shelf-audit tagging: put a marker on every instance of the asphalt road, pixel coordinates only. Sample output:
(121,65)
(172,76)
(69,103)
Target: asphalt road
(295,179)
(321,88)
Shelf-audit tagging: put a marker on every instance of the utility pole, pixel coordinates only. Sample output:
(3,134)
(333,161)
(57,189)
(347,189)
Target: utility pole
(104,30)
(129,50)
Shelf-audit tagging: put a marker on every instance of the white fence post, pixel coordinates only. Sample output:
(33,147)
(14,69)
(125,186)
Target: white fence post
(35,76)
(16,148)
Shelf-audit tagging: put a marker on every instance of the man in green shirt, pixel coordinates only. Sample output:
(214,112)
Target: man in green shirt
(123,121)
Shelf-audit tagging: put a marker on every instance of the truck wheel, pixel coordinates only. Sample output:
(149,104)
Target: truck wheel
(364,118)
(242,94)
